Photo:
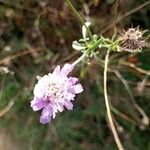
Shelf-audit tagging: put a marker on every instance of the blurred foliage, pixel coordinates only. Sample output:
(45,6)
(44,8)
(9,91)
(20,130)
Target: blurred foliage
(37,35)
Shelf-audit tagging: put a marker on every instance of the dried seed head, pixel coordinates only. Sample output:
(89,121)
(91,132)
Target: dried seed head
(132,40)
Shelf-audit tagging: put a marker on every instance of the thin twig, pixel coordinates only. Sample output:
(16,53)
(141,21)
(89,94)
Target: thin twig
(124,116)
(142,84)
(79,17)
(7,108)
(113,128)
(115,15)
(135,67)
(13,56)
(18,6)
(125,15)
(2,86)
(139,109)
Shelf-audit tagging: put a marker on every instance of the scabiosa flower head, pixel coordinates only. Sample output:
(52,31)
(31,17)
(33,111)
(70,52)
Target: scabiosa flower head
(55,91)
(132,40)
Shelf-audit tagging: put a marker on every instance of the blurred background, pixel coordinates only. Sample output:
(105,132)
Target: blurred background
(35,36)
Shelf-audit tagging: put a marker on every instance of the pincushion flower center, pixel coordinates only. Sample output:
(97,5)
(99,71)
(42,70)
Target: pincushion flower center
(56,91)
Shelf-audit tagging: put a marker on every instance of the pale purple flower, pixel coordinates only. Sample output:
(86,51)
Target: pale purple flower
(55,91)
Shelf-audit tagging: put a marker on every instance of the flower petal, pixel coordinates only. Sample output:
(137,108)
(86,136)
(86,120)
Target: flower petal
(46,114)
(37,91)
(70,95)
(60,107)
(73,80)
(55,110)
(40,86)
(57,70)
(68,105)
(66,69)
(77,88)
(37,104)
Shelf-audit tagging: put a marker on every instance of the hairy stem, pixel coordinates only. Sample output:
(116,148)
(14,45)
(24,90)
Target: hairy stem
(79,59)
(110,119)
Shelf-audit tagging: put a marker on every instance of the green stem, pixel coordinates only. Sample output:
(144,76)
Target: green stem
(79,17)
(95,44)
(110,119)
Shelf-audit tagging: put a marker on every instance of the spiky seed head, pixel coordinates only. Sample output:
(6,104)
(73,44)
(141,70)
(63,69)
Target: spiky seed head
(131,40)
